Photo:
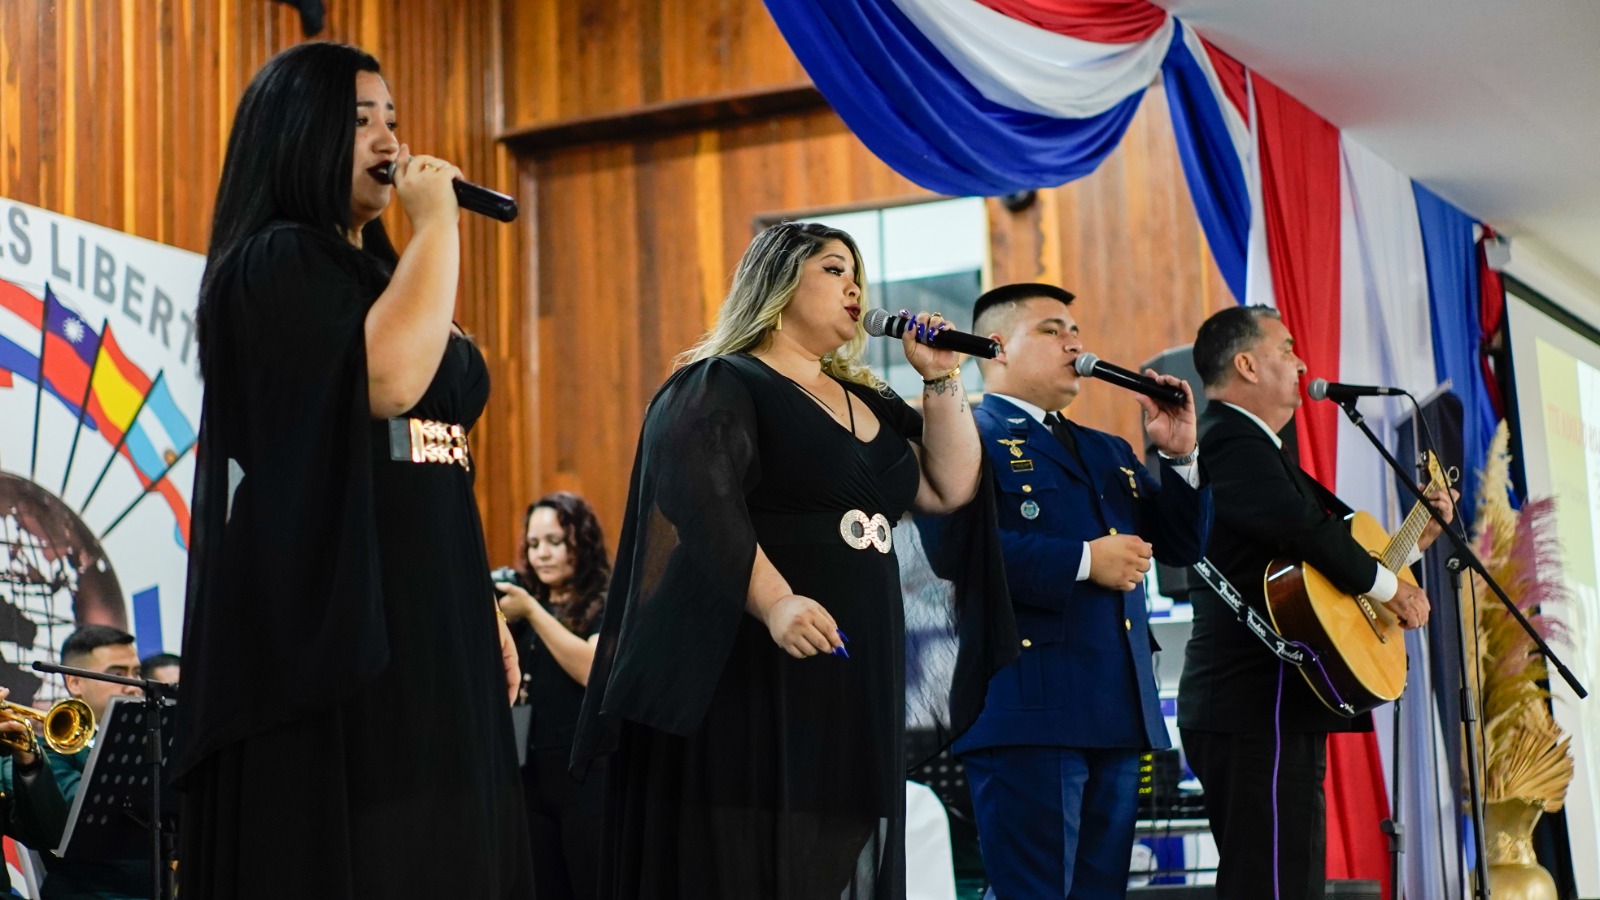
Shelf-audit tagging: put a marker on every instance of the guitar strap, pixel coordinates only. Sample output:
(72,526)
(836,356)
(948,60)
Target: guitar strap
(1289,651)
(1294,653)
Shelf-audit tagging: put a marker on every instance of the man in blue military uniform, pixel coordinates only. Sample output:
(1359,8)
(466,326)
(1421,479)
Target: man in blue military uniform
(1053,762)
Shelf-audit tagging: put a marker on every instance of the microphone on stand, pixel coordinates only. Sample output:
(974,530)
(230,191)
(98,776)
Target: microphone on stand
(1092,366)
(882,323)
(1323,389)
(471,197)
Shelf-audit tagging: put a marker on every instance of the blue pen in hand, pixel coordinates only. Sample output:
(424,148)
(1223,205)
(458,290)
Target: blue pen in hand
(840,650)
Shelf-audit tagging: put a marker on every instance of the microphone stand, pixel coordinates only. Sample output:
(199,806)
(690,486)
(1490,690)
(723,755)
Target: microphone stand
(156,695)
(1463,557)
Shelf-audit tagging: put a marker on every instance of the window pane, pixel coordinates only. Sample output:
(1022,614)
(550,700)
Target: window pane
(926,256)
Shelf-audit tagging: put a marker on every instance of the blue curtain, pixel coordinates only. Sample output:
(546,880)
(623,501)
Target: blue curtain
(1447,241)
(917,113)
(1211,164)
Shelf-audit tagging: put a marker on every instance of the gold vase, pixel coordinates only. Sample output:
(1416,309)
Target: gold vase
(1514,870)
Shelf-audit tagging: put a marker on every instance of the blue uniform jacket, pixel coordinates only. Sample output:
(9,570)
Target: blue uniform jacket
(1083,678)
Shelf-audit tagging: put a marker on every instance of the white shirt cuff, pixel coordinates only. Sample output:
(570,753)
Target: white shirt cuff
(1384,586)
(1084,564)
(1189,473)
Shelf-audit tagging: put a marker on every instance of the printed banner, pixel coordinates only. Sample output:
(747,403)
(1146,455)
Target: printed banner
(99,407)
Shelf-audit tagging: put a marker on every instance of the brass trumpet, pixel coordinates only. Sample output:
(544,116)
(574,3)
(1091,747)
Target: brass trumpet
(68,726)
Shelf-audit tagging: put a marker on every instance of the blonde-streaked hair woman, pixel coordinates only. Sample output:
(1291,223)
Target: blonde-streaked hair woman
(763,286)
(751,664)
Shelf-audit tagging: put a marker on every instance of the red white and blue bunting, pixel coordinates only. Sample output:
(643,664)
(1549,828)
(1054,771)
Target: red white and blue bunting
(1377,276)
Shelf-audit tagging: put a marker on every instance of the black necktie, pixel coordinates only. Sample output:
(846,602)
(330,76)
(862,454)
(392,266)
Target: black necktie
(1058,426)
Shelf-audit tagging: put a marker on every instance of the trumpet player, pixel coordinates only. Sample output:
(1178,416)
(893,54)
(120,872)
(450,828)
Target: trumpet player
(32,808)
(110,651)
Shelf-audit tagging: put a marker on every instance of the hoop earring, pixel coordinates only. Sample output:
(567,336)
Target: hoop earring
(779,326)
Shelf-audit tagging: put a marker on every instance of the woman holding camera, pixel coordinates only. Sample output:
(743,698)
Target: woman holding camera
(553,599)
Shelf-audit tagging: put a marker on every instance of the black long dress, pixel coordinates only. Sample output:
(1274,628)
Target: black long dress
(344,721)
(742,772)
(563,812)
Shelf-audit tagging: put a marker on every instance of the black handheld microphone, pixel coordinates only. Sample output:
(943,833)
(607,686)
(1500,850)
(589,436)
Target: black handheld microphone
(1091,366)
(882,323)
(472,197)
(1323,389)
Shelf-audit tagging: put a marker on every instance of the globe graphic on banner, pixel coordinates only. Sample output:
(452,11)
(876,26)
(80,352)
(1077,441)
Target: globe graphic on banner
(99,423)
(55,574)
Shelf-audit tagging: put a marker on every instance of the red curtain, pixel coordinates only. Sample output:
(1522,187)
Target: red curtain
(1300,167)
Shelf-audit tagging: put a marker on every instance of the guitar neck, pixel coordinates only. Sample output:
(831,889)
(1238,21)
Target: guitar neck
(1399,548)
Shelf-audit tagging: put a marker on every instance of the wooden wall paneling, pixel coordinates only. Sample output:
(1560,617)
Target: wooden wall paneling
(664,186)
(672,213)
(66,83)
(1132,252)
(535,86)
(758,53)
(526,442)
(710,206)
(605,369)
(139,93)
(1026,245)
(511,346)
(64,29)
(19,105)
(558,181)
(684,47)
(118,112)
(577,58)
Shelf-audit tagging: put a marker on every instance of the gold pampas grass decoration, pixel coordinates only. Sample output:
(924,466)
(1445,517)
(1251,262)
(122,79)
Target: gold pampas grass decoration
(1526,757)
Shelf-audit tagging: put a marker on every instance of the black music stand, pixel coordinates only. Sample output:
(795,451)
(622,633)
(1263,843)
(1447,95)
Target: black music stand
(120,791)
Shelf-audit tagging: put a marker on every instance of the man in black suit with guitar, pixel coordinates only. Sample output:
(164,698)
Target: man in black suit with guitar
(1252,729)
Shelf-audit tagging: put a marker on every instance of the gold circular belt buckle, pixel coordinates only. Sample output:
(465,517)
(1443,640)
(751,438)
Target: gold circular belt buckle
(861,531)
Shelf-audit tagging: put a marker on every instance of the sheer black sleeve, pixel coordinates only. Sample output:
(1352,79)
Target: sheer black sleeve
(683,561)
(284,609)
(960,628)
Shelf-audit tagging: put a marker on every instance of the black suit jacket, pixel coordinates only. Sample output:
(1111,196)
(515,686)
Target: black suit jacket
(1265,506)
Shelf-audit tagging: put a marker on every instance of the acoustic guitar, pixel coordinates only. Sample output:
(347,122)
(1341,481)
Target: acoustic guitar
(1359,646)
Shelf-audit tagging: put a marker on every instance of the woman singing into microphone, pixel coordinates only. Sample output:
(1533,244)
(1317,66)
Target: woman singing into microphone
(752,666)
(345,722)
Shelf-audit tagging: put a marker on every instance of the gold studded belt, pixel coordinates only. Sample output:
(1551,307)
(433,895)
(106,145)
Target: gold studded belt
(428,441)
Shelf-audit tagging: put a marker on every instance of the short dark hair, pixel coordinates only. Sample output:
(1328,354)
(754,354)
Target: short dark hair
(1012,294)
(159,661)
(90,638)
(1224,336)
